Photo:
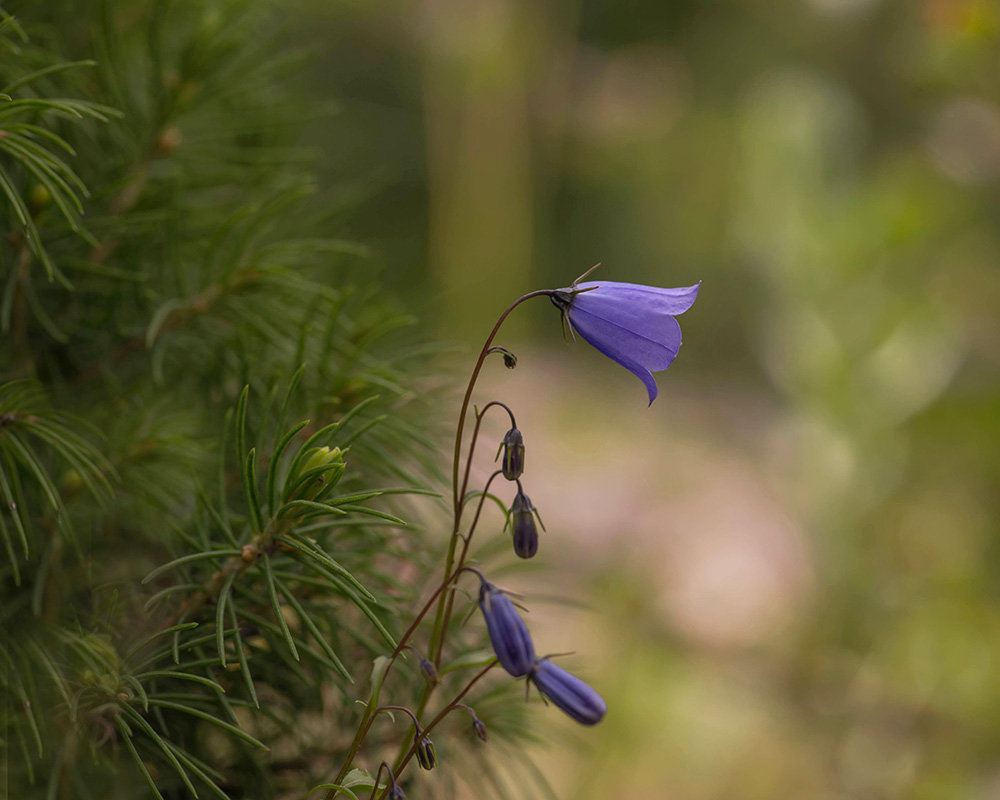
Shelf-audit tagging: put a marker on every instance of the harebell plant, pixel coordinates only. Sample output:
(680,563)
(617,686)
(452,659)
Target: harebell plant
(633,325)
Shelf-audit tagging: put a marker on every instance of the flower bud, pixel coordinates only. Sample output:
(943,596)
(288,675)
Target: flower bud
(508,634)
(522,520)
(425,751)
(513,455)
(479,727)
(396,792)
(430,671)
(568,692)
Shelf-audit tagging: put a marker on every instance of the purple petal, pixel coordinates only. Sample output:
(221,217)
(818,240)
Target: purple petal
(652,345)
(651,299)
(619,357)
(568,693)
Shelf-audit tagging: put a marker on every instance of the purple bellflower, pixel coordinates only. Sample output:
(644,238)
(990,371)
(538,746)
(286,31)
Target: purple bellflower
(508,633)
(568,692)
(631,324)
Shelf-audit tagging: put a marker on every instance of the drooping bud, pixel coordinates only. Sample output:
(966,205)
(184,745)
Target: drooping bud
(426,666)
(522,522)
(508,633)
(478,726)
(430,671)
(395,790)
(425,751)
(513,455)
(568,692)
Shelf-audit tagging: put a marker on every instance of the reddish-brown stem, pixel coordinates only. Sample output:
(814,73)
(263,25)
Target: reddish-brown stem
(401,764)
(437,634)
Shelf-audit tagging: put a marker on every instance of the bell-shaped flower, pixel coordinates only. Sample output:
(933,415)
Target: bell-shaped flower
(508,633)
(631,324)
(568,692)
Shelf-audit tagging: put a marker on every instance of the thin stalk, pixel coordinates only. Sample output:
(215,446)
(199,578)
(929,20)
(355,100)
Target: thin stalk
(437,633)
(405,758)
(368,717)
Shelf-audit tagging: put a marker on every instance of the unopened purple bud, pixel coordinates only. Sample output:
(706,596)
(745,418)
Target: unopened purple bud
(430,671)
(508,633)
(480,728)
(568,693)
(522,520)
(513,455)
(425,751)
(396,792)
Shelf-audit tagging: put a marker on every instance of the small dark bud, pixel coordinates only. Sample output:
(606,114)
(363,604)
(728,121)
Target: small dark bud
(425,751)
(429,670)
(513,454)
(522,521)
(568,693)
(396,792)
(508,633)
(480,728)
(509,359)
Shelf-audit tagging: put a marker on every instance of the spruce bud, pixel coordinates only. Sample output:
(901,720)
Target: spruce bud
(513,454)
(508,633)
(326,466)
(522,521)
(568,692)
(425,751)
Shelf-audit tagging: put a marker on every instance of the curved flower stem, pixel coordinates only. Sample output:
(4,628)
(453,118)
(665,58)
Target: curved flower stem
(366,720)
(437,633)
(404,758)
(392,779)
(467,539)
(405,710)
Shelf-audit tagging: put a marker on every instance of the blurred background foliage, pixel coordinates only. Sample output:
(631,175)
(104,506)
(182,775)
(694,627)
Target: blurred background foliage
(785,573)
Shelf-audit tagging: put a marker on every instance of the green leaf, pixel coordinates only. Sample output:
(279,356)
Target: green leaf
(177,562)
(242,656)
(223,600)
(476,659)
(359,777)
(272,593)
(136,717)
(203,715)
(310,624)
(272,471)
(332,786)
(181,676)
(41,73)
(126,736)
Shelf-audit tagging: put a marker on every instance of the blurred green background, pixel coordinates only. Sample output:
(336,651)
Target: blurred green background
(784,576)
(786,572)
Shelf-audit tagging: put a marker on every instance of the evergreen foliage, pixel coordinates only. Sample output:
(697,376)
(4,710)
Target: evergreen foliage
(203,412)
